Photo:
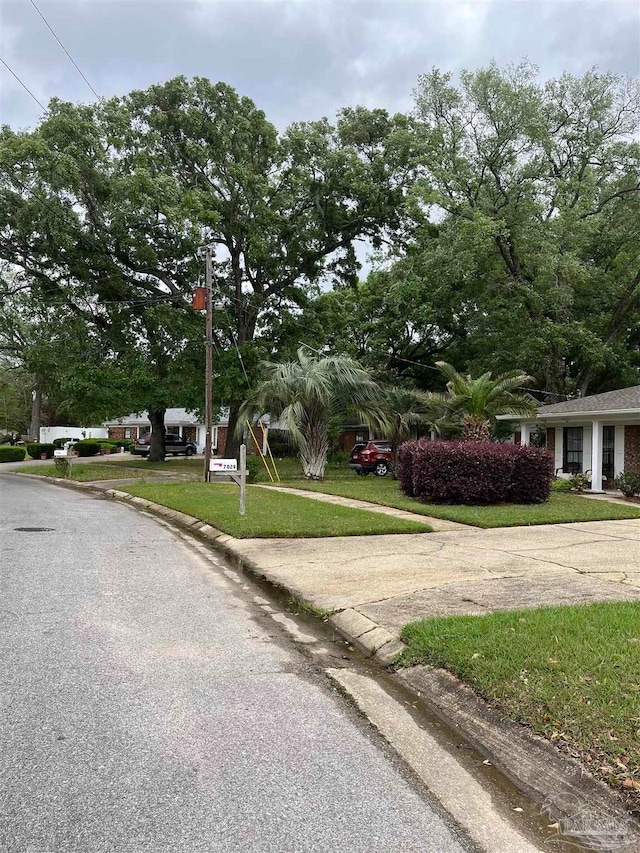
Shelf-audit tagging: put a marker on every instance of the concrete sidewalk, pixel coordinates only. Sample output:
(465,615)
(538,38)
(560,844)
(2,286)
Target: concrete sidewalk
(435,523)
(393,580)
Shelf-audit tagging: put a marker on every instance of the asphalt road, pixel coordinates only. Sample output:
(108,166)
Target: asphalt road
(145,708)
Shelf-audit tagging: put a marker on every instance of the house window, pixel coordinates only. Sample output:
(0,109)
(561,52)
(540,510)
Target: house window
(359,438)
(127,432)
(214,438)
(608,451)
(572,450)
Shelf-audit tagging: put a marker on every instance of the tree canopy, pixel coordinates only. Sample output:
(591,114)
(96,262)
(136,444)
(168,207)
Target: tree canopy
(504,214)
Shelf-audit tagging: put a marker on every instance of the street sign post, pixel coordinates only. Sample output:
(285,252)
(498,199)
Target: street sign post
(226,471)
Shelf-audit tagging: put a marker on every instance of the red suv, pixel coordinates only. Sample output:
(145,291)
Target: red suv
(374,456)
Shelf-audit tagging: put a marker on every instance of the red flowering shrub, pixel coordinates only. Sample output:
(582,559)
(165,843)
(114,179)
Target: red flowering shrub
(405,465)
(532,475)
(474,472)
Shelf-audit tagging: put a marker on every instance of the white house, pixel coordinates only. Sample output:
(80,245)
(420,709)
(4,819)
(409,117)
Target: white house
(599,435)
(187,425)
(179,421)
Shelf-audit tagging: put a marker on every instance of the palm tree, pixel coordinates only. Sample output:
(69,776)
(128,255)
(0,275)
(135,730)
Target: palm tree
(307,393)
(409,411)
(477,402)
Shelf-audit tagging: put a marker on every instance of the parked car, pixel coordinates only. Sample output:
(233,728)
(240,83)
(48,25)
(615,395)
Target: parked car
(174,445)
(373,457)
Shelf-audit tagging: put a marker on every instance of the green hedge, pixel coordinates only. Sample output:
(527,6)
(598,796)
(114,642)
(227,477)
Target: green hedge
(87,447)
(127,443)
(12,454)
(36,449)
(60,442)
(561,486)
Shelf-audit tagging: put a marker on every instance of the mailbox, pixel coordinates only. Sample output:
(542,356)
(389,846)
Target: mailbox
(222,466)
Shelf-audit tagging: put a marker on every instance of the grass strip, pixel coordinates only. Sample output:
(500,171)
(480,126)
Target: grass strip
(571,673)
(561,508)
(270,514)
(82,473)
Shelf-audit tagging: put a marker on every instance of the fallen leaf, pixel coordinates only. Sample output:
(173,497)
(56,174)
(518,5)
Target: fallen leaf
(629,783)
(518,809)
(552,661)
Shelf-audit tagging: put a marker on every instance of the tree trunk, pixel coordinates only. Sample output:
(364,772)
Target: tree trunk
(157,450)
(232,447)
(313,451)
(36,411)
(474,429)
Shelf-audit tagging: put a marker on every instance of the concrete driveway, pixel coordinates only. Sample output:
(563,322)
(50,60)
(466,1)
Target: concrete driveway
(396,579)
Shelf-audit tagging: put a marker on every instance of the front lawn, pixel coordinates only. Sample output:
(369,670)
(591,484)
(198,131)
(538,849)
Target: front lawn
(571,673)
(561,508)
(270,514)
(85,473)
(191,469)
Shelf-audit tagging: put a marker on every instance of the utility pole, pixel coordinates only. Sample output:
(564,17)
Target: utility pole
(208,402)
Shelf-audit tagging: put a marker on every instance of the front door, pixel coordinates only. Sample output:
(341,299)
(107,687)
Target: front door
(608,453)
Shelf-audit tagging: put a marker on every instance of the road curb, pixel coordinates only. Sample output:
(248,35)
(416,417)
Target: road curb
(562,786)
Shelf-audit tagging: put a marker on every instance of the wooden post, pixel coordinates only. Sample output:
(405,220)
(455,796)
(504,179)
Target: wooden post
(243,477)
(208,404)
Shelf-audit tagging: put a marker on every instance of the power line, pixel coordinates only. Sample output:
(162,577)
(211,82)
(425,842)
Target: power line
(24,85)
(75,64)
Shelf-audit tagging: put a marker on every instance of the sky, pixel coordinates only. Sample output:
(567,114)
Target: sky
(298,59)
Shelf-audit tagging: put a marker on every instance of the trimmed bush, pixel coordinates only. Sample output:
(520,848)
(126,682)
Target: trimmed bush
(12,454)
(117,443)
(629,483)
(561,486)
(255,470)
(531,476)
(107,447)
(35,449)
(338,458)
(87,447)
(470,472)
(60,442)
(405,465)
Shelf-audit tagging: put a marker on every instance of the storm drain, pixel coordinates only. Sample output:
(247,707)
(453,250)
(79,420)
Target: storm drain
(33,529)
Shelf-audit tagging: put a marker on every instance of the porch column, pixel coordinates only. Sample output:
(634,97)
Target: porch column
(596,456)
(525,434)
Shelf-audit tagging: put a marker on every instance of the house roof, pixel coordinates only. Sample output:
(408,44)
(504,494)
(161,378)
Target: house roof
(623,400)
(173,417)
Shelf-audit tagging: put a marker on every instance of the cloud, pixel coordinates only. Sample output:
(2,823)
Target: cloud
(300,59)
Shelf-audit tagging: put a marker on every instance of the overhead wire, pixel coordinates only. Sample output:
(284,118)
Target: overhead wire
(71,59)
(24,85)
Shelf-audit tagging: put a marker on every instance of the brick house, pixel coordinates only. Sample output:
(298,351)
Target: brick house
(599,434)
(183,423)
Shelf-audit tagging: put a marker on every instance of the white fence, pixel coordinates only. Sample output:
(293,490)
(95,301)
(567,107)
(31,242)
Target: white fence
(48,434)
